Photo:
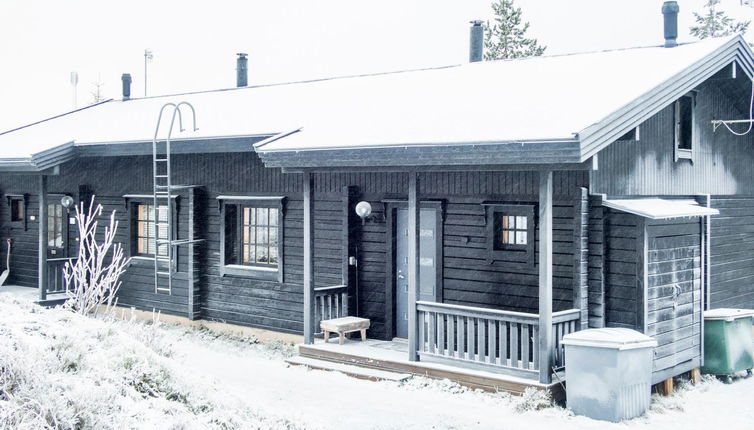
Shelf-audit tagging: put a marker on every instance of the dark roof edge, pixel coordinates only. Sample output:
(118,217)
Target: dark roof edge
(55,117)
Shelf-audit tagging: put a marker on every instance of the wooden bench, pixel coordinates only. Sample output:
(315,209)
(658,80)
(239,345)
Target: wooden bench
(344,325)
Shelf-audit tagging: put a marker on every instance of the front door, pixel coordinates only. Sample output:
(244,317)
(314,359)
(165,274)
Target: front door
(57,231)
(427,264)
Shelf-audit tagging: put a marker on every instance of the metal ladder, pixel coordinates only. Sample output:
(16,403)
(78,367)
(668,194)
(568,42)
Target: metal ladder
(165,266)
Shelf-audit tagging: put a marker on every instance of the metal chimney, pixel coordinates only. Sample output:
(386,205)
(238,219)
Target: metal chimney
(476,41)
(670,14)
(242,74)
(126,78)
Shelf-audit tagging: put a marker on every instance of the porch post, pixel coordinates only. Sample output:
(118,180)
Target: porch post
(413,265)
(545,277)
(42,251)
(308,260)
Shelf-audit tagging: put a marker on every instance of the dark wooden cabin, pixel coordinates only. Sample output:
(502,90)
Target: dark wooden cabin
(598,195)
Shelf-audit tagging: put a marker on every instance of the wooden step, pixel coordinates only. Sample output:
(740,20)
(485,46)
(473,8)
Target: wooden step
(348,369)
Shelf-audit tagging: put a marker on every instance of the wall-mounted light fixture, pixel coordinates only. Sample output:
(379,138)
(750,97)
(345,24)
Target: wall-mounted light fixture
(364,211)
(67,202)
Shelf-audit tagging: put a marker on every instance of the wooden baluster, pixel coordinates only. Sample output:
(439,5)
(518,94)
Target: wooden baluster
(452,336)
(461,337)
(535,347)
(491,341)
(441,334)
(344,303)
(420,316)
(514,344)
(432,332)
(481,341)
(525,346)
(503,335)
(470,338)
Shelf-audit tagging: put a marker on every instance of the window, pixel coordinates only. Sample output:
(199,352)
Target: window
(510,231)
(684,127)
(16,209)
(148,231)
(55,225)
(252,237)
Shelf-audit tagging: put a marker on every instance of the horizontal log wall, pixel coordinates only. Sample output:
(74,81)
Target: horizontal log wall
(24,256)
(621,232)
(732,252)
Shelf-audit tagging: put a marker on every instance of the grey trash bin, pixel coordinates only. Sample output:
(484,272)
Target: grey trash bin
(608,373)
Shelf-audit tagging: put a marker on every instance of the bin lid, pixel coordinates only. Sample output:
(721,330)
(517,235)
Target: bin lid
(728,314)
(612,338)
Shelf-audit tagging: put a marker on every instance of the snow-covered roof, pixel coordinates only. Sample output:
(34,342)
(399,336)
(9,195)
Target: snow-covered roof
(654,208)
(584,99)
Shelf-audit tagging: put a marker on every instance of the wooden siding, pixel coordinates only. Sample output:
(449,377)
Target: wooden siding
(732,253)
(621,291)
(469,279)
(721,164)
(24,256)
(674,295)
(596,263)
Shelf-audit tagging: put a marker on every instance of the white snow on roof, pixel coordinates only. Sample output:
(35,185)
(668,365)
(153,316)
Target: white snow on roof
(535,99)
(654,208)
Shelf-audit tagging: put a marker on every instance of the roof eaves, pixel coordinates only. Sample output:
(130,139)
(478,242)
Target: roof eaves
(601,134)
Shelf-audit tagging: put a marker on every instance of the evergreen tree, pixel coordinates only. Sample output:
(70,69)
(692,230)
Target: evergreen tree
(506,38)
(715,23)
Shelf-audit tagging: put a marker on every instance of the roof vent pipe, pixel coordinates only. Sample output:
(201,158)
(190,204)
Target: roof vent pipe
(476,41)
(670,15)
(242,74)
(126,78)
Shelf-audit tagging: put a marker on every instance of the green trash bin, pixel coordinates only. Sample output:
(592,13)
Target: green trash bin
(728,342)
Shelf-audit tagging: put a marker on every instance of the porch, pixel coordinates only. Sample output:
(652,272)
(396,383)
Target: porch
(513,345)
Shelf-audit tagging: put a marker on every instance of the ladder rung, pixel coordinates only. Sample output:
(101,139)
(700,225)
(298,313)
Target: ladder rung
(164,273)
(160,159)
(160,176)
(183,241)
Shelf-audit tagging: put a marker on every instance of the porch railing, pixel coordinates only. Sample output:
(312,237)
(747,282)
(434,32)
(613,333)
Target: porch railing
(55,277)
(489,337)
(329,303)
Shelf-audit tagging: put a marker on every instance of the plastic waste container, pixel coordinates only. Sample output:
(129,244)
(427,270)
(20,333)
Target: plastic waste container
(728,341)
(608,373)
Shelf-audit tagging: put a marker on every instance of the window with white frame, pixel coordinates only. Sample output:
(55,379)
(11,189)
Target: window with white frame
(151,226)
(683,134)
(510,233)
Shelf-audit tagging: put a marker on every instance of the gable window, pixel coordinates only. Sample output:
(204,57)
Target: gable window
(683,110)
(151,227)
(510,233)
(252,233)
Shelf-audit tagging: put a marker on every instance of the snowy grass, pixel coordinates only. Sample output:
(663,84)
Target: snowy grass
(61,370)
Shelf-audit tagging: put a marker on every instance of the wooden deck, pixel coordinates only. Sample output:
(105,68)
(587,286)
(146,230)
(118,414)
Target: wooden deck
(393,357)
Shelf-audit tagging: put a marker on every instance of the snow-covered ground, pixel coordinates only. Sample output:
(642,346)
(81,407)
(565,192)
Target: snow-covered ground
(60,370)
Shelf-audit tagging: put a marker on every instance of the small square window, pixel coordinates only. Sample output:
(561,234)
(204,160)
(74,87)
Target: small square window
(510,229)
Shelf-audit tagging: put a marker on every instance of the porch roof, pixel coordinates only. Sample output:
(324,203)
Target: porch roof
(655,208)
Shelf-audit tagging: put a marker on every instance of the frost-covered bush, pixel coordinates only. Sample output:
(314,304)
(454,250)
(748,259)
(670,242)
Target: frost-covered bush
(93,280)
(533,400)
(60,370)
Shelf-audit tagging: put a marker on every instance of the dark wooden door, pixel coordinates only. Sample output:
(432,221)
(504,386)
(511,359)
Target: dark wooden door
(427,264)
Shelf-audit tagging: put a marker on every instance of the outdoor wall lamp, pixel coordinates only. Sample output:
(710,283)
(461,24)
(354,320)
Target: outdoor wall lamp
(67,202)
(364,211)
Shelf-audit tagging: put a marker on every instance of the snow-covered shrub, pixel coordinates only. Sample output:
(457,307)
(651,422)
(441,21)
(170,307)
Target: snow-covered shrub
(60,370)
(533,400)
(93,280)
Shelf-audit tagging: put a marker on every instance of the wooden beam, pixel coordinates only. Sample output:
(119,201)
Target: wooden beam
(545,277)
(308,259)
(42,272)
(642,275)
(413,265)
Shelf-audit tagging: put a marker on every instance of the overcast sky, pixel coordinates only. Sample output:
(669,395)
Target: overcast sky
(195,42)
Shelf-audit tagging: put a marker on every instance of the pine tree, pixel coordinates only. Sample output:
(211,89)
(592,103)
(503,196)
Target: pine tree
(715,23)
(506,38)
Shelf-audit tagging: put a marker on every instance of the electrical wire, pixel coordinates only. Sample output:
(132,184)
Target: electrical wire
(751,115)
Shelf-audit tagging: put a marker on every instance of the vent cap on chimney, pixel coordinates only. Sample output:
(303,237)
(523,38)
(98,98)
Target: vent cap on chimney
(476,41)
(126,78)
(670,17)
(242,74)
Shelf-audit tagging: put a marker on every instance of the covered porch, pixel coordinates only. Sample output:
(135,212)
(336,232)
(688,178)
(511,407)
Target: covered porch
(511,345)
